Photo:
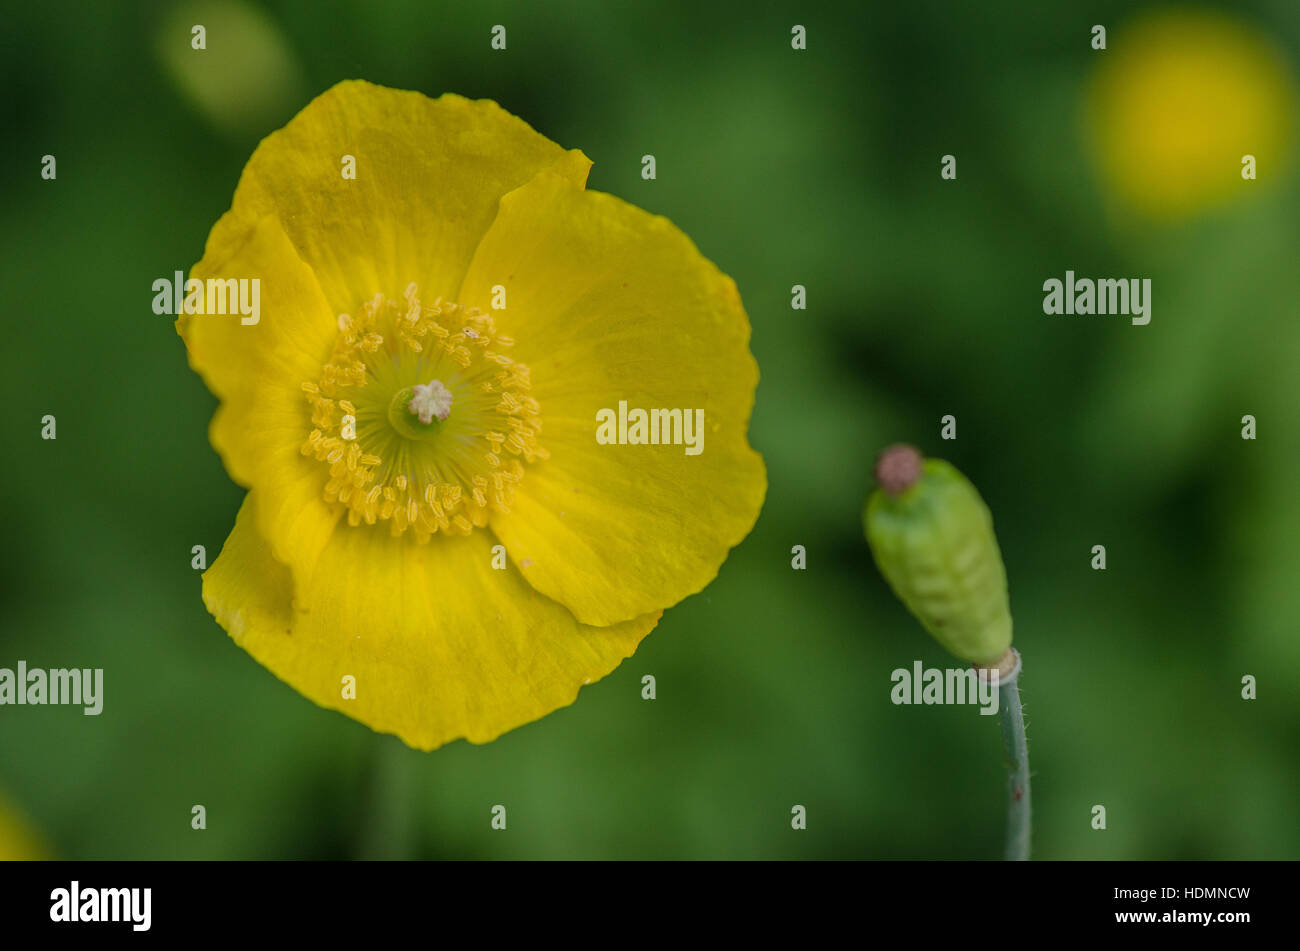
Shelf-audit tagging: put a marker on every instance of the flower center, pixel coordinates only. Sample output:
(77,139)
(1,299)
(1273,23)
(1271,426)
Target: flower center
(385,425)
(430,400)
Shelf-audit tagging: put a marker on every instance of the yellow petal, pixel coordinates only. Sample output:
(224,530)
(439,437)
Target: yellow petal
(606,303)
(429,173)
(258,370)
(440,645)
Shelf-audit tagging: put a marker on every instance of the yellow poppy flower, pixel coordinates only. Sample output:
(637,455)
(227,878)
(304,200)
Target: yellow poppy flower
(1178,102)
(18,841)
(434,542)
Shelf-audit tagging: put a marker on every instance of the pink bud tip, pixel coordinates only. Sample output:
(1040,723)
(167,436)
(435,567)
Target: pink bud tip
(898,468)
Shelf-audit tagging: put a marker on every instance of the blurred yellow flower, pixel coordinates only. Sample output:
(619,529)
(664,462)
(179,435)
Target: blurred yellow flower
(1177,101)
(18,841)
(434,542)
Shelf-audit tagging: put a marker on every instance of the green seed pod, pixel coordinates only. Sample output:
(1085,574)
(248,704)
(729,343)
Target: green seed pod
(932,538)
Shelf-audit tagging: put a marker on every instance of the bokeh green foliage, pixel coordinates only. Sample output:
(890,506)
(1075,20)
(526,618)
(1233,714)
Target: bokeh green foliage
(818,168)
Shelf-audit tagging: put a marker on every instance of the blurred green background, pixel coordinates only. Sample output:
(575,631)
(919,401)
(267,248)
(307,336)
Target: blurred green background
(819,168)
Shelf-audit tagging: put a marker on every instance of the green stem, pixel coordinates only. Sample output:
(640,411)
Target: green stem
(1017,750)
(387,809)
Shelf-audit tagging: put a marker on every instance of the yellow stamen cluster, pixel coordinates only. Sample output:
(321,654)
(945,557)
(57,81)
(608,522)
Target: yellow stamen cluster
(444,476)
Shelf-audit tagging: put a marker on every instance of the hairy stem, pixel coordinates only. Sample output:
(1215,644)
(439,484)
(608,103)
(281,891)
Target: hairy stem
(1017,750)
